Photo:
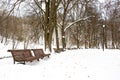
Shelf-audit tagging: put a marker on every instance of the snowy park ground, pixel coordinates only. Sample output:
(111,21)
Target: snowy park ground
(79,64)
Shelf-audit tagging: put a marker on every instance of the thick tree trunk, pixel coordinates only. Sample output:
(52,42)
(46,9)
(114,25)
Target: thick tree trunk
(63,39)
(51,23)
(46,32)
(57,39)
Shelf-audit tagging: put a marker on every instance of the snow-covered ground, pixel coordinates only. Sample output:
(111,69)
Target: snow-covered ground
(79,64)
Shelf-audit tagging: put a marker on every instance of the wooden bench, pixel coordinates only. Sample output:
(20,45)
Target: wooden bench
(24,55)
(39,53)
(58,51)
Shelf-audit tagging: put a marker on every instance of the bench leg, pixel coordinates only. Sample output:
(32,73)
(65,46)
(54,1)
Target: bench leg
(14,61)
(24,62)
(37,59)
(48,56)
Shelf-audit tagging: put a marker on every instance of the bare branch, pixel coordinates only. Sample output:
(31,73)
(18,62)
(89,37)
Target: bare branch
(13,7)
(36,2)
(77,21)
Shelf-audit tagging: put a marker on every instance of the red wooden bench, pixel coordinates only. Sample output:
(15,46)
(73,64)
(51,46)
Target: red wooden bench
(39,53)
(23,55)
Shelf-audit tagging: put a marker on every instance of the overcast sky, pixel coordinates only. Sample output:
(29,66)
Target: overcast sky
(101,0)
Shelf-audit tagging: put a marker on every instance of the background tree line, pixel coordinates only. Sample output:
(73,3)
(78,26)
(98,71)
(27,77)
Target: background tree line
(66,23)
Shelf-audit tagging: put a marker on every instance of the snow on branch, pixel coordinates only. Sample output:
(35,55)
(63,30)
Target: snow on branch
(77,21)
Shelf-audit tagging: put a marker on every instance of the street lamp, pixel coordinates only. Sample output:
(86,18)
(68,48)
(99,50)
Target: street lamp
(103,37)
(103,26)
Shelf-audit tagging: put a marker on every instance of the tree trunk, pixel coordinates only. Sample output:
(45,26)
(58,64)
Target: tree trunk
(63,39)
(46,32)
(57,39)
(77,37)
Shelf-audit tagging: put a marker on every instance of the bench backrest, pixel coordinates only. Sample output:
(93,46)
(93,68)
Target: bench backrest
(27,53)
(19,55)
(38,52)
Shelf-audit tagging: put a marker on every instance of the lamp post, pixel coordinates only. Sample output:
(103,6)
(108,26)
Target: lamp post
(103,37)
